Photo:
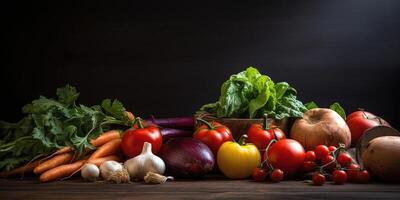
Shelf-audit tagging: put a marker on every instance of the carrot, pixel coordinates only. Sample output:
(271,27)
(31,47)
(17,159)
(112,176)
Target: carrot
(20,170)
(105,137)
(99,161)
(53,162)
(110,148)
(61,171)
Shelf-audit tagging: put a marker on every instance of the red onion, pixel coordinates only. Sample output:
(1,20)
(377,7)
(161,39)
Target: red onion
(187,157)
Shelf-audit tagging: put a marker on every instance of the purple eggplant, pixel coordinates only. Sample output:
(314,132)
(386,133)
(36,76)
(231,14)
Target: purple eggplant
(186,123)
(168,133)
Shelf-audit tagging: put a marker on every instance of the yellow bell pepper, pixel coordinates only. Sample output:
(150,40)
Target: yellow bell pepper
(238,160)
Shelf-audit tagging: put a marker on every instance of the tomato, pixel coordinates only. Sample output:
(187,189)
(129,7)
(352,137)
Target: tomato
(238,160)
(287,155)
(259,174)
(318,179)
(310,156)
(134,138)
(344,159)
(329,159)
(213,135)
(321,151)
(261,136)
(309,166)
(363,176)
(339,177)
(332,148)
(360,121)
(352,172)
(276,175)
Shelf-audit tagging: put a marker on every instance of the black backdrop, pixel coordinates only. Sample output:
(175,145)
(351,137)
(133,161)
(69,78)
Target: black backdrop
(168,59)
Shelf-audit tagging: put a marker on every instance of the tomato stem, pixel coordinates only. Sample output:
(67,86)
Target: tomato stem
(139,121)
(208,124)
(265,125)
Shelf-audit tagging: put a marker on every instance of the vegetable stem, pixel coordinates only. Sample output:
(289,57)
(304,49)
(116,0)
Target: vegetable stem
(242,139)
(265,125)
(208,124)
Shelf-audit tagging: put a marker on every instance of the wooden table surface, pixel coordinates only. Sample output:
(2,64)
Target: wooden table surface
(214,188)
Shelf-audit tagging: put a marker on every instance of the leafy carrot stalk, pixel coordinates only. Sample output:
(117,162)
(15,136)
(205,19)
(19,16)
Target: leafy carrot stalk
(110,148)
(105,137)
(99,161)
(61,171)
(53,162)
(21,170)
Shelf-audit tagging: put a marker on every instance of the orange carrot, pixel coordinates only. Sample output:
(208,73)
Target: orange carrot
(61,171)
(99,161)
(20,170)
(53,162)
(105,137)
(110,148)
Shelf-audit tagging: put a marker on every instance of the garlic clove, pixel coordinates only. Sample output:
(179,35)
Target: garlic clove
(90,172)
(108,167)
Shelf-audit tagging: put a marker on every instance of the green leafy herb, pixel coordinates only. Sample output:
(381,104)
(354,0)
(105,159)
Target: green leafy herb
(51,124)
(250,94)
(335,107)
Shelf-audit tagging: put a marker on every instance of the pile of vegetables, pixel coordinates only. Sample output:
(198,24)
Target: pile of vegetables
(59,138)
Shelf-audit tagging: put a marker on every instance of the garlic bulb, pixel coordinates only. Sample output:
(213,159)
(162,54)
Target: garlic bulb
(153,178)
(108,167)
(90,172)
(146,162)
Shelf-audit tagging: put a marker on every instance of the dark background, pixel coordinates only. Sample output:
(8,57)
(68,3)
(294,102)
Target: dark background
(168,59)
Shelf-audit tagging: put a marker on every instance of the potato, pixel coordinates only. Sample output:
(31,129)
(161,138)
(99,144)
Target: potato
(382,158)
(321,126)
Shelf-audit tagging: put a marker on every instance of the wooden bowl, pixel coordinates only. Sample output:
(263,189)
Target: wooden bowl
(239,126)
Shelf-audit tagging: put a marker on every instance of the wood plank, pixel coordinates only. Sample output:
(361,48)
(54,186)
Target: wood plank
(213,188)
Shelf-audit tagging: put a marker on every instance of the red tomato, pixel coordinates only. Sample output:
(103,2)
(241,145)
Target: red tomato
(332,148)
(133,140)
(344,159)
(276,175)
(287,155)
(339,177)
(309,166)
(352,172)
(213,135)
(310,156)
(262,136)
(318,179)
(259,174)
(329,159)
(363,176)
(321,151)
(360,121)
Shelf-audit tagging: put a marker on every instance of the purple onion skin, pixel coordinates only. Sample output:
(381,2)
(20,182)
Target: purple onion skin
(168,133)
(186,123)
(187,158)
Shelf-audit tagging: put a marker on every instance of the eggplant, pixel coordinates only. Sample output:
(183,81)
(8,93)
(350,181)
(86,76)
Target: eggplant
(186,123)
(168,133)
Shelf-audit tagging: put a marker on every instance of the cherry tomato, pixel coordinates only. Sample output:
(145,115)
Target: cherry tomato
(321,151)
(344,159)
(310,156)
(360,121)
(276,175)
(332,148)
(261,136)
(352,172)
(329,159)
(339,177)
(134,138)
(309,166)
(363,176)
(318,179)
(287,155)
(213,135)
(259,174)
